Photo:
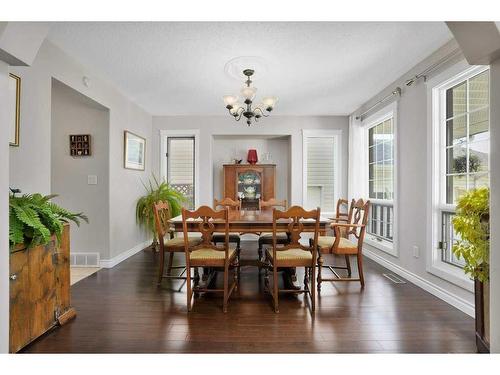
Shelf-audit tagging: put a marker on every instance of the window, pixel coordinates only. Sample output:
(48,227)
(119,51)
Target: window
(460,159)
(321,169)
(381,179)
(181,166)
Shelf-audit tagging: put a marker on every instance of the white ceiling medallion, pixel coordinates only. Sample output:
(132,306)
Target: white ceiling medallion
(234,67)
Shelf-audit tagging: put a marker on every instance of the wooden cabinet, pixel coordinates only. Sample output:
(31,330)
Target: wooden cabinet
(249,182)
(39,290)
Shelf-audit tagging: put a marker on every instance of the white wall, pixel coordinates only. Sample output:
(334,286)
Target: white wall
(74,113)
(4,212)
(275,125)
(495,207)
(227,148)
(413,182)
(30,162)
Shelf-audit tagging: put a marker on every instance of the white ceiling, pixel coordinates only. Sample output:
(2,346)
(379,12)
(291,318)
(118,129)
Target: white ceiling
(314,68)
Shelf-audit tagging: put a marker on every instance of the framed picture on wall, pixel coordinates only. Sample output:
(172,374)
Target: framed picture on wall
(14,108)
(135,151)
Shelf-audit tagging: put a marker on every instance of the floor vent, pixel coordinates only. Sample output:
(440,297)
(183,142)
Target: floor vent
(84,259)
(394,278)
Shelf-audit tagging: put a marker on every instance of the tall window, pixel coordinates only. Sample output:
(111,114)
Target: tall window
(321,165)
(180,166)
(464,148)
(381,179)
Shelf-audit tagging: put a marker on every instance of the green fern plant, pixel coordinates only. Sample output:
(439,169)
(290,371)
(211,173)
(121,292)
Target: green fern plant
(157,191)
(33,219)
(471,223)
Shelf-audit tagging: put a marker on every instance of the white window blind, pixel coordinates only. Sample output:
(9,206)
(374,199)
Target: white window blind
(321,173)
(180,166)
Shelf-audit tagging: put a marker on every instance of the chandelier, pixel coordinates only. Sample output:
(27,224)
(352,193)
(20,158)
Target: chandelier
(238,110)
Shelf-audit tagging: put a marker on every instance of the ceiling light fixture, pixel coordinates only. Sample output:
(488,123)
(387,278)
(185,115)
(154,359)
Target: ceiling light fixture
(238,110)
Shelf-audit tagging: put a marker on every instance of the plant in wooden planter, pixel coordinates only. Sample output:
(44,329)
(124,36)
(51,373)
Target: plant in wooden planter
(33,219)
(39,280)
(472,224)
(157,191)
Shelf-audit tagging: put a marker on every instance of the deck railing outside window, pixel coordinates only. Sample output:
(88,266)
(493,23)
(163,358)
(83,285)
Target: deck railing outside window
(188,191)
(381,221)
(449,237)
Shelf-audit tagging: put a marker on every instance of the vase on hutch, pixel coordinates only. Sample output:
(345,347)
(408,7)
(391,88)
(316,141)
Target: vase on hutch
(252,157)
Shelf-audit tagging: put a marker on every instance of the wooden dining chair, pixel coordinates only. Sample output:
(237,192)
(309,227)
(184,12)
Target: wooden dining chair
(233,238)
(267,238)
(293,254)
(168,242)
(208,255)
(340,244)
(341,216)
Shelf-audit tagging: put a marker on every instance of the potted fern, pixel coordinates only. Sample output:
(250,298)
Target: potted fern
(472,224)
(157,191)
(34,219)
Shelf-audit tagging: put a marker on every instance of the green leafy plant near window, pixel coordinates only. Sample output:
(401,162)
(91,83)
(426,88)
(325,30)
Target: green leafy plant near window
(472,224)
(33,219)
(155,192)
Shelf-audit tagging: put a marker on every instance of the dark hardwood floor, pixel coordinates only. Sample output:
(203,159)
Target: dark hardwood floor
(120,310)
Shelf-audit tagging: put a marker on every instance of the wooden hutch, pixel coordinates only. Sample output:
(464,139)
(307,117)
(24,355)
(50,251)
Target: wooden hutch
(249,183)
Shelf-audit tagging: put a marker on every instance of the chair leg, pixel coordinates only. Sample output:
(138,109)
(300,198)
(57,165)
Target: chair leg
(161,267)
(360,270)
(312,288)
(238,248)
(260,250)
(348,265)
(275,289)
(224,303)
(170,261)
(320,266)
(189,288)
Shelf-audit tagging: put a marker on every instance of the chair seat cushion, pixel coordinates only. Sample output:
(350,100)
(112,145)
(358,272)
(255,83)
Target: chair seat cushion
(179,241)
(345,246)
(291,257)
(208,254)
(219,237)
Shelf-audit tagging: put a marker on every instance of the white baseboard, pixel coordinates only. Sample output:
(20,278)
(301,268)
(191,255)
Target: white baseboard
(426,285)
(110,263)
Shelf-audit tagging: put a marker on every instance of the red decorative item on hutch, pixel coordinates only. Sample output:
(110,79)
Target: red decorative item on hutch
(252,157)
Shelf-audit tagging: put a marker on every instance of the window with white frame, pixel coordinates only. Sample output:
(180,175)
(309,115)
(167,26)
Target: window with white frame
(321,169)
(461,148)
(181,166)
(381,180)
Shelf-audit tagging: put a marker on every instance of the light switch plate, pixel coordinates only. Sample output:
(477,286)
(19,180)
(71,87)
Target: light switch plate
(92,179)
(416,252)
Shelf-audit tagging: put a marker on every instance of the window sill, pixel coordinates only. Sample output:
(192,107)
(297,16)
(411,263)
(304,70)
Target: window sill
(452,274)
(385,246)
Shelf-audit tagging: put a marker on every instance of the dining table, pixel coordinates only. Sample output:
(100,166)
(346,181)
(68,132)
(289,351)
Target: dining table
(250,222)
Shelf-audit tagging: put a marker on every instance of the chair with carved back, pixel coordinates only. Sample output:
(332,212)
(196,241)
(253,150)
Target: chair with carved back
(208,255)
(293,254)
(326,242)
(233,238)
(341,244)
(267,238)
(168,243)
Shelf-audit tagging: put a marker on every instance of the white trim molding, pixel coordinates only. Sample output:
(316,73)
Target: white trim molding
(336,134)
(110,263)
(164,133)
(435,113)
(443,294)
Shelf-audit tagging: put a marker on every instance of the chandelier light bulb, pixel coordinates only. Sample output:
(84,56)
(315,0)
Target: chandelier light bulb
(248,92)
(230,100)
(269,101)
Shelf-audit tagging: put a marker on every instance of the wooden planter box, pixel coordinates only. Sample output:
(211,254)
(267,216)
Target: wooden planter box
(39,291)
(482,303)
